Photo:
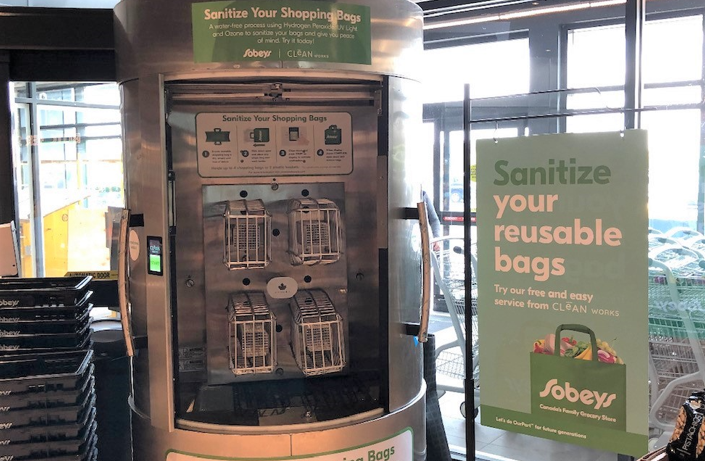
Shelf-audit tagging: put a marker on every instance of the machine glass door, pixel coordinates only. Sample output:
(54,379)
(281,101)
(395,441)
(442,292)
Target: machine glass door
(275,261)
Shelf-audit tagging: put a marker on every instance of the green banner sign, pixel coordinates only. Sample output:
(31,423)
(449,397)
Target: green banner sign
(281,31)
(562,295)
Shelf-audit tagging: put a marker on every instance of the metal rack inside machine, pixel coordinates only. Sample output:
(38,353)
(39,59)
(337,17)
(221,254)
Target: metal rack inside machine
(317,333)
(251,329)
(247,234)
(314,231)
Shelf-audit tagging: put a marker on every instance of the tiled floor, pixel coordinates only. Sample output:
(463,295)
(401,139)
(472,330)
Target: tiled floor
(497,445)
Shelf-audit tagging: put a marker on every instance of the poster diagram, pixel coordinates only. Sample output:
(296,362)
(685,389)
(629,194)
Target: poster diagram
(562,287)
(282,143)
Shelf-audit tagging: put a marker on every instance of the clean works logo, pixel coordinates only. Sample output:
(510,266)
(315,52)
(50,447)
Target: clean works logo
(585,396)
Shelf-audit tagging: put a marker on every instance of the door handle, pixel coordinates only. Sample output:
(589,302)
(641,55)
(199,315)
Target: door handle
(425,273)
(123,296)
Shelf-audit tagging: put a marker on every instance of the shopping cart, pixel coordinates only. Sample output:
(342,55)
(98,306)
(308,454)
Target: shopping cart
(676,331)
(682,233)
(448,264)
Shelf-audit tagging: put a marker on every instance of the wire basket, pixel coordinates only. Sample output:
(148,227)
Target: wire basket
(317,333)
(252,333)
(670,350)
(247,235)
(314,231)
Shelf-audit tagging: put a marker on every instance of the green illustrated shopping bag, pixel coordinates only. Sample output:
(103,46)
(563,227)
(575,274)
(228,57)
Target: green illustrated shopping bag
(333,135)
(579,390)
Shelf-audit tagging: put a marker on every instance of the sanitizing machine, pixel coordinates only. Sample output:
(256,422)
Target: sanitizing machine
(271,259)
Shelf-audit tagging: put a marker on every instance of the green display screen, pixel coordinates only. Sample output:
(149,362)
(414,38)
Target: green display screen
(154,250)
(155,263)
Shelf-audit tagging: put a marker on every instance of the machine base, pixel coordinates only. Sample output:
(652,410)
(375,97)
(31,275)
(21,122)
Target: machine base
(400,436)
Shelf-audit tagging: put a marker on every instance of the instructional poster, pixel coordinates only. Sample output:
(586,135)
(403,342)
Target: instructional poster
(265,30)
(562,294)
(267,143)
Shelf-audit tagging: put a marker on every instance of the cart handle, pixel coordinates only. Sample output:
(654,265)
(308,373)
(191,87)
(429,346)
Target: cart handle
(425,273)
(123,300)
(579,329)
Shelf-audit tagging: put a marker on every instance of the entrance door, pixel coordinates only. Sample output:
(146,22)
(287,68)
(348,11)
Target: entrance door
(67,156)
(443,135)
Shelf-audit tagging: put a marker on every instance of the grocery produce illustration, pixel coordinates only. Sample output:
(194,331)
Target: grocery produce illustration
(580,350)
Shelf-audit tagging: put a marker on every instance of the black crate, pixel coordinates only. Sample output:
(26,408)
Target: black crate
(51,398)
(89,452)
(85,344)
(51,433)
(23,327)
(46,313)
(47,416)
(46,341)
(43,372)
(54,449)
(60,291)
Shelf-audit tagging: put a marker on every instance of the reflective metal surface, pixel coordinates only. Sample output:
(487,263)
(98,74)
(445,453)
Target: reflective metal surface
(134,170)
(404,191)
(411,416)
(203,283)
(151,443)
(183,312)
(155,37)
(146,182)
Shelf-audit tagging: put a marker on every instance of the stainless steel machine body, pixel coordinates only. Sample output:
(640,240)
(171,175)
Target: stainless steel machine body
(270,310)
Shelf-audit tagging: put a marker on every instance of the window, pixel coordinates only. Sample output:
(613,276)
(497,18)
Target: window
(672,68)
(492,69)
(69,176)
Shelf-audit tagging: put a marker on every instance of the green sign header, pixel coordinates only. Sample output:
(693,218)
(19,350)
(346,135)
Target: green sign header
(239,31)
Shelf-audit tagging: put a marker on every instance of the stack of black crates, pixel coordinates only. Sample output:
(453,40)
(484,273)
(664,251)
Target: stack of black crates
(47,388)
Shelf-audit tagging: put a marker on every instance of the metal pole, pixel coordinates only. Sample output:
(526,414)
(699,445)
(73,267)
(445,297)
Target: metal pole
(469,379)
(634,17)
(701,161)
(34,160)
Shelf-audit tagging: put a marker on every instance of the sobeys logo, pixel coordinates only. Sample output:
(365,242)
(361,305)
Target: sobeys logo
(585,396)
(250,53)
(4,303)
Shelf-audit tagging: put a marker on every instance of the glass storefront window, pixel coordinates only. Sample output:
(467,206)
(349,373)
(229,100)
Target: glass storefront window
(673,50)
(445,70)
(674,136)
(74,148)
(674,144)
(595,49)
